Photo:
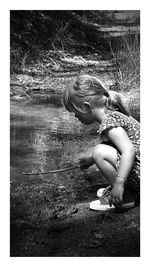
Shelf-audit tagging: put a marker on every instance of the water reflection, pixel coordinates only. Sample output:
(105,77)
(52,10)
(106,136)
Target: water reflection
(39,142)
(33,135)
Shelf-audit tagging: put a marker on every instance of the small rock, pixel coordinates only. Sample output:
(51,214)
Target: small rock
(72,210)
(99,235)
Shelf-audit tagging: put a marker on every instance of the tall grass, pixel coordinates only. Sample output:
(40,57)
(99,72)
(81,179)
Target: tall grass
(126,60)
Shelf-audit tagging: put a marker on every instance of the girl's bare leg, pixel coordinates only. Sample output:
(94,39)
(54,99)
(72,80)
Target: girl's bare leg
(105,158)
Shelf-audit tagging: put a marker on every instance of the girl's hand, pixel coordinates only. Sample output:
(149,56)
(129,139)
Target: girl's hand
(85,163)
(116,197)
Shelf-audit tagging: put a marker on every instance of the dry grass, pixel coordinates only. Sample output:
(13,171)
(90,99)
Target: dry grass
(127,62)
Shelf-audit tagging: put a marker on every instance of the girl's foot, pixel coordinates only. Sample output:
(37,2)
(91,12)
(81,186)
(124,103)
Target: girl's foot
(103,202)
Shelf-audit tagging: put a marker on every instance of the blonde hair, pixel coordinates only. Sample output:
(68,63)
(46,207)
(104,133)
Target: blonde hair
(90,89)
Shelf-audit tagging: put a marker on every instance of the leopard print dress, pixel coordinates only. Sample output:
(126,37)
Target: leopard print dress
(132,128)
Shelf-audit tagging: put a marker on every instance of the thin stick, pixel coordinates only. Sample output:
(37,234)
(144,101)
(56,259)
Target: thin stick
(53,171)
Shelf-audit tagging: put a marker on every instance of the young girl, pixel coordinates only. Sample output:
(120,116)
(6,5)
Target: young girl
(118,154)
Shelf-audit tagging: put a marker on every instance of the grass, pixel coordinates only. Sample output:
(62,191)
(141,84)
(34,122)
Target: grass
(126,59)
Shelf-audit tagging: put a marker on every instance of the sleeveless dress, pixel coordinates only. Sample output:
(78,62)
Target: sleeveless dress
(132,128)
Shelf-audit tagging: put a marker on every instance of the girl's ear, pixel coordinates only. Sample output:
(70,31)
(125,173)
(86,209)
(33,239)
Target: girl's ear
(87,106)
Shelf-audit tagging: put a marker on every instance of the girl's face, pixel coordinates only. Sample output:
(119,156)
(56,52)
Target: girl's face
(91,114)
(86,118)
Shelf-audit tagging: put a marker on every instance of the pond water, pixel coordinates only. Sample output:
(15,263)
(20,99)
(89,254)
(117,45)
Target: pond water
(33,135)
(45,137)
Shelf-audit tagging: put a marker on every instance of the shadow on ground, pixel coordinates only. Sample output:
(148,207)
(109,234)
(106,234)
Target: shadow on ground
(81,232)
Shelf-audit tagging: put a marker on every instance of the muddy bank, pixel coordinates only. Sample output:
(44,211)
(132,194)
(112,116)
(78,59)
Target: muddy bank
(51,219)
(80,233)
(42,80)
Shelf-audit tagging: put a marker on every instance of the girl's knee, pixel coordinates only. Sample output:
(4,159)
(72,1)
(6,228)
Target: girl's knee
(104,152)
(99,152)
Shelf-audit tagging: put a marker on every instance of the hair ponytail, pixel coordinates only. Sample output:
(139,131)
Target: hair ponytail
(115,102)
(87,88)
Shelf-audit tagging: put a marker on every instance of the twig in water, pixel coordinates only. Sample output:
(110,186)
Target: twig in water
(53,171)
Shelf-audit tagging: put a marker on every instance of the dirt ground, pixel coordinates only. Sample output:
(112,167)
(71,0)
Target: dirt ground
(80,232)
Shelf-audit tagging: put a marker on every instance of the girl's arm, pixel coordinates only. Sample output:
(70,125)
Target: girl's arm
(120,139)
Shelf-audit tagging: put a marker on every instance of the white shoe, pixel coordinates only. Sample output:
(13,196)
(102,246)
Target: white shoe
(104,191)
(97,205)
(103,202)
